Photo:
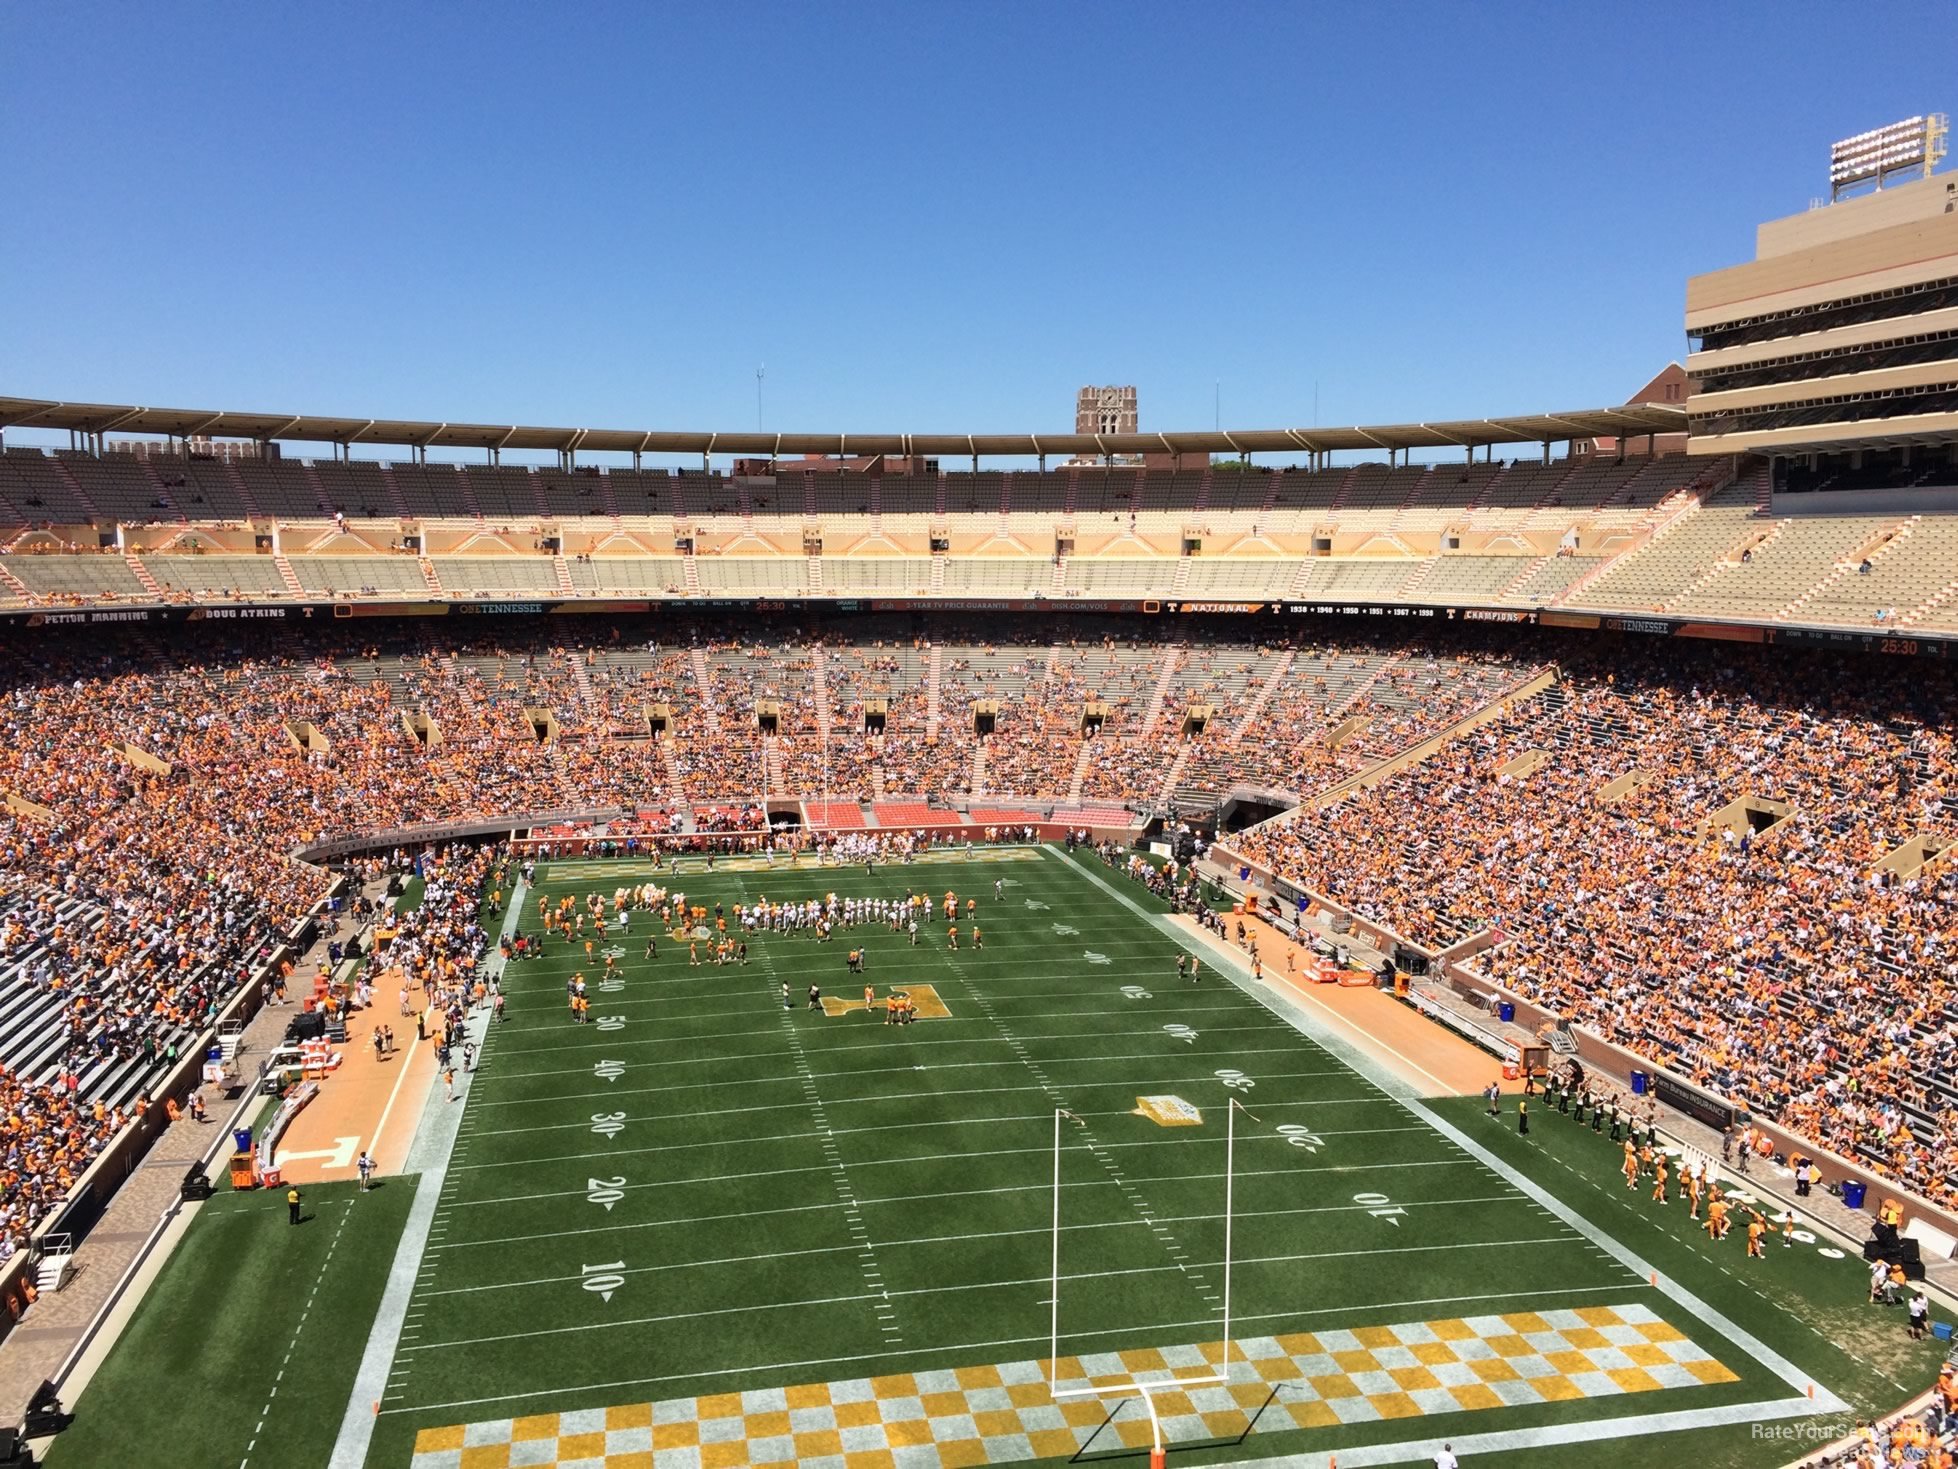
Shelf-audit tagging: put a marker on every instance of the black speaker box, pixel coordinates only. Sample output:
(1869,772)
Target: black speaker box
(1910,1249)
(306,1027)
(1913,1270)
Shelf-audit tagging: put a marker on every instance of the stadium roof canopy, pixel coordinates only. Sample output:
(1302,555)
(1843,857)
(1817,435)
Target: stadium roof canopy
(1634,420)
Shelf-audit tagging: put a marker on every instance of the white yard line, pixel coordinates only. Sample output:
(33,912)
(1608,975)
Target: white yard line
(894,1127)
(928,1239)
(504,1200)
(528,1102)
(1125,1084)
(981,1285)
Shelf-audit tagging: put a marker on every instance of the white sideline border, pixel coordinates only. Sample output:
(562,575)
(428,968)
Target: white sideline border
(432,1147)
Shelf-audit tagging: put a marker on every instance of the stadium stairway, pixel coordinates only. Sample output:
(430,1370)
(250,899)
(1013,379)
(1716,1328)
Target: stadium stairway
(934,680)
(428,575)
(1272,681)
(1726,561)
(564,582)
(976,772)
(74,487)
(819,683)
(703,682)
(1080,774)
(150,583)
(1845,567)
(1517,582)
(395,497)
(1172,655)
(318,487)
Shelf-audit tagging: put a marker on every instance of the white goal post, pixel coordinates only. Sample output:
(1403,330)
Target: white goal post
(1139,1387)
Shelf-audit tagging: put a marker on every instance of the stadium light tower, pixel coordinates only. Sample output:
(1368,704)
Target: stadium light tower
(1914,145)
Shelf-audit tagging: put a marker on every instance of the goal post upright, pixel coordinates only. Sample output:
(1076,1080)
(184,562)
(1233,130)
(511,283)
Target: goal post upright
(1137,1387)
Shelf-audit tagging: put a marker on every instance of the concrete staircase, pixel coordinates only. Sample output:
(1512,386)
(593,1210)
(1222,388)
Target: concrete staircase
(1056,584)
(671,766)
(1919,613)
(819,681)
(1080,774)
(288,576)
(1366,685)
(1847,567)
(1724,563)
(690,575)
(428,575)
(468,487)
(975,780)
(316,485)
(1265,691)
(1172,656)
(74,487)
(243,490)
(937,574)
(1345,489)
(1409,589)
(15,585)
(815,570)
(771,764)
(1175,771)
(710,704)
(1680,514)
(563,570)
(587,695)
(1180,579)
(150,583)
(394,492)
(1517,582)
(934,674)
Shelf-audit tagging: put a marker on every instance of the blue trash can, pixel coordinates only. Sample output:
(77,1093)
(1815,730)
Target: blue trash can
(1505,1010)
(241,1138)
(1853,1193)
(1641,1083)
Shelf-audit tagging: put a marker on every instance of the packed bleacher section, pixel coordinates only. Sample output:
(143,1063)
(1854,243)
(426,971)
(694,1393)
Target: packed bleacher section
(1769,959)
(163,776)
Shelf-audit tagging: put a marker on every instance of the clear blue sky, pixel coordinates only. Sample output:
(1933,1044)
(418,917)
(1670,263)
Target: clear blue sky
(920,216)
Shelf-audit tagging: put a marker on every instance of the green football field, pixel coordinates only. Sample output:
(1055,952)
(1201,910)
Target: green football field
(705,1229)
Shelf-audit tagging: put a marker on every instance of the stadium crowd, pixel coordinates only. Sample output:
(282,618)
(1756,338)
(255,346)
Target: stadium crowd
(159,787)
(1767,959)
